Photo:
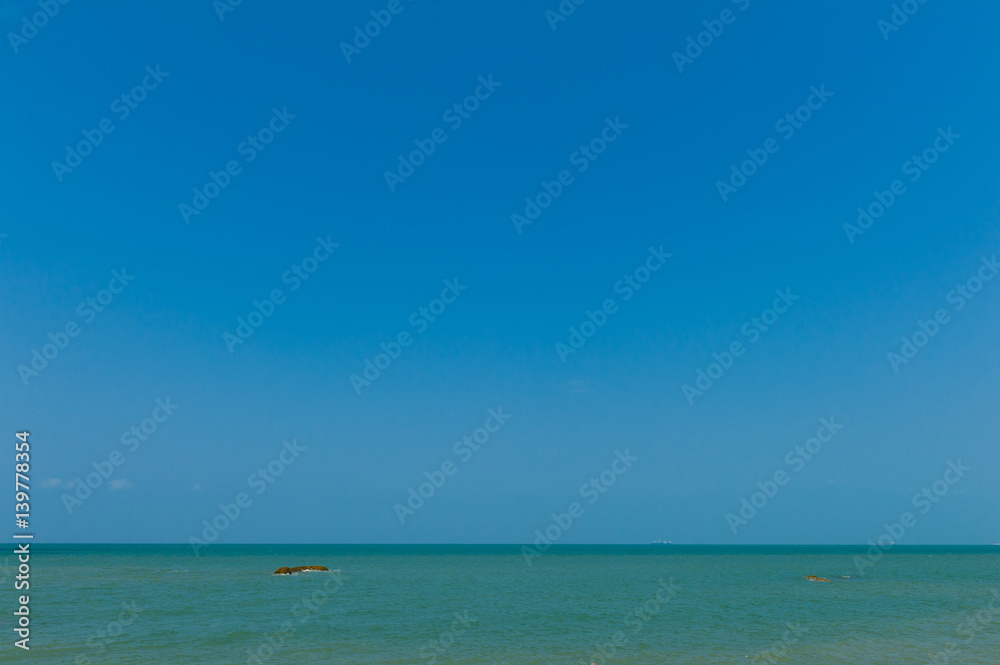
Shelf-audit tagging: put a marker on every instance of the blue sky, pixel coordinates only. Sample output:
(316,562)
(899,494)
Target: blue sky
(516,289)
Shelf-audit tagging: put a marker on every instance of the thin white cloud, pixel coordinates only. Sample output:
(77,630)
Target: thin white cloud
(120,484)
(51,482)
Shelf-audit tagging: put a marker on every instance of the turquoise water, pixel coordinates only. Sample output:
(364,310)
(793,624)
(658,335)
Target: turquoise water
(486,605)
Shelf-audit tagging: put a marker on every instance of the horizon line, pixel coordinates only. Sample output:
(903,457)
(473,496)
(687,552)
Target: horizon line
(446,544)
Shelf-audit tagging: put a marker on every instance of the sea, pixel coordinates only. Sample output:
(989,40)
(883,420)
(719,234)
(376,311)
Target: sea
(506,605)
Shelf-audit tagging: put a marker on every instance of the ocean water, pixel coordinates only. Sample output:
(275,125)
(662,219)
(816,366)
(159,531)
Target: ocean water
(487,605)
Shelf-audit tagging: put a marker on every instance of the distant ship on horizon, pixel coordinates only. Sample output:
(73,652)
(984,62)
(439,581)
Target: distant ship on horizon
(661,542)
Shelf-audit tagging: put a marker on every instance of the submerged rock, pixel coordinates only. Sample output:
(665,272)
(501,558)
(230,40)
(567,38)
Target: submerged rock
(813,578)
(285,570)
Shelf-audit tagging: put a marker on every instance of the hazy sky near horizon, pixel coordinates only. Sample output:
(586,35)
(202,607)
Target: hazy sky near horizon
(623,146)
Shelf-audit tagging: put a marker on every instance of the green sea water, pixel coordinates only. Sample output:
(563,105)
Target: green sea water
(486,605)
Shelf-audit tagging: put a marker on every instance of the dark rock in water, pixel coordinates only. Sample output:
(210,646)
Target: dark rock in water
(813,578)
(285,570)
